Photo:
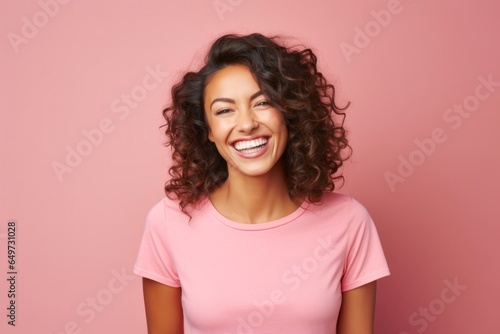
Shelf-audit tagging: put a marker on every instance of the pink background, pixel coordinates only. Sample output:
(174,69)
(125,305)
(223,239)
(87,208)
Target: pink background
(68,73)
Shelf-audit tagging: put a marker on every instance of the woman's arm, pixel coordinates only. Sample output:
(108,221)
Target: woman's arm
(358,310)
(163,308)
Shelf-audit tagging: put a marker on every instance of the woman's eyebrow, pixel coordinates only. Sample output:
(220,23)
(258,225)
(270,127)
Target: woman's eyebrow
(255,95)
(222,99)
(228,100)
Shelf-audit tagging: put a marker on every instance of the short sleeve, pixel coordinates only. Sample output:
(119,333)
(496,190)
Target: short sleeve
(365,261)
(154,259)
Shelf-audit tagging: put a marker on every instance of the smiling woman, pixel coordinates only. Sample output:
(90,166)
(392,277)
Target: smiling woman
(250,237)
(248,132)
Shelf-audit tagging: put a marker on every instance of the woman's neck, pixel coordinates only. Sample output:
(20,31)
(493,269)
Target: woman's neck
(254,199)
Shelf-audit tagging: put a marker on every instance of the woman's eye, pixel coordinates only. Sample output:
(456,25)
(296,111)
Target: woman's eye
(222,111)
(262,103)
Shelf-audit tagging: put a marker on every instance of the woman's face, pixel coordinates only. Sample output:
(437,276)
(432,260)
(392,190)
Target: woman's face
(248,132)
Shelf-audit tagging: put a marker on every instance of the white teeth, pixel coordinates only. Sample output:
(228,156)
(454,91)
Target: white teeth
(250,144)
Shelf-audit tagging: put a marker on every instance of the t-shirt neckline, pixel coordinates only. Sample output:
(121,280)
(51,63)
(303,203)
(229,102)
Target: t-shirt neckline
(259,226)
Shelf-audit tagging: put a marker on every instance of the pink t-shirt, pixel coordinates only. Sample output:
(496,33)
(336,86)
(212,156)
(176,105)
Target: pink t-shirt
(283,276)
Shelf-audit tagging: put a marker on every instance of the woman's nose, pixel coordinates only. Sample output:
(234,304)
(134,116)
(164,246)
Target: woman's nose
(246,121)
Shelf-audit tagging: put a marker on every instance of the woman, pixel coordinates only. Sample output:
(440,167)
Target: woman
(250,237)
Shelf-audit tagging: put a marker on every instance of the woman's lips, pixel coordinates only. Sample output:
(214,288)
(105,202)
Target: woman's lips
(251,148)
(248,145)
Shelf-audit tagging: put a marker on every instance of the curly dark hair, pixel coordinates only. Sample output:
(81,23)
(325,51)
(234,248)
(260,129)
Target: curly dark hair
(317,144)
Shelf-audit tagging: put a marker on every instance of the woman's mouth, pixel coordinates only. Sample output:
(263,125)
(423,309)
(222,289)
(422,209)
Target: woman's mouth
(250,146)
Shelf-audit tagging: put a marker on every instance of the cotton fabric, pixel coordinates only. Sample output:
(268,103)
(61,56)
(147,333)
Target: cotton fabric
(283,276)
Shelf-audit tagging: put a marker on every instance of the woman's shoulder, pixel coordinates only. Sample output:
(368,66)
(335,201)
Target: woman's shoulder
(334,202)
(165,210)
(168,210)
